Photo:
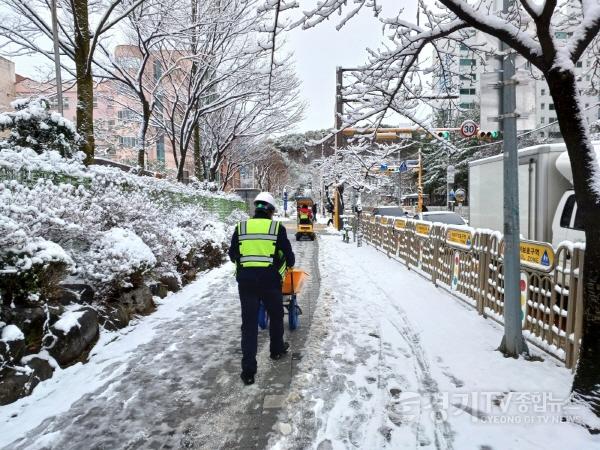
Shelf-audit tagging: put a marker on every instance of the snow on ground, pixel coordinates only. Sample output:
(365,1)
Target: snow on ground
(394,362)
(103,384)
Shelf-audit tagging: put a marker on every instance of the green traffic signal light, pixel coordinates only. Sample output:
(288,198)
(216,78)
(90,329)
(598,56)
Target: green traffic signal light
(489,134)
(444,134)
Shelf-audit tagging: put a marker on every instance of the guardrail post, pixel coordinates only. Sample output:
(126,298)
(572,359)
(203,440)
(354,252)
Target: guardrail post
(435,239)
(484,261)
(577,262)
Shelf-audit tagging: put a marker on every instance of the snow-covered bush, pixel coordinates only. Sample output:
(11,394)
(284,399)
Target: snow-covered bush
(118,260)
(34,126)
(30,267)
(80,209)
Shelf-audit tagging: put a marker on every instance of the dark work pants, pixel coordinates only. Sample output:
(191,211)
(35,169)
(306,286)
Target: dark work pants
(251,294)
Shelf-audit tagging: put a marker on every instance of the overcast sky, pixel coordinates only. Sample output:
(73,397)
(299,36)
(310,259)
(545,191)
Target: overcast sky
(319,50)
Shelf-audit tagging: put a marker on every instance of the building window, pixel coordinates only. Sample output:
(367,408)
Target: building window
(579,64)
(129,62)
(157,70)
(160,149)
(543,120)
(467,105)
(555,135)
(95,102)
(111,123)
(543,92)
(123,89)
(126,115)
(542,106)
(467,62)
(551,106)
(552,119)
(128,141)
(54,102)
(110,102)
(468,92)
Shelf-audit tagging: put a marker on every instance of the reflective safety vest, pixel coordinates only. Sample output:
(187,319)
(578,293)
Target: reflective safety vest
(258,238)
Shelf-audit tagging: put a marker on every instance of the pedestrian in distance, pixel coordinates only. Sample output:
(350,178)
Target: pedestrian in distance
(262,253)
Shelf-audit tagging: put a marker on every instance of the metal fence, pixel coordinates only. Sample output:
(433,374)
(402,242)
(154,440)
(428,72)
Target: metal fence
(469,264)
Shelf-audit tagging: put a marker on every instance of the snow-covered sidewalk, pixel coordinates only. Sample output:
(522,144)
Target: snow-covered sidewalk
(171,380)
(396,363)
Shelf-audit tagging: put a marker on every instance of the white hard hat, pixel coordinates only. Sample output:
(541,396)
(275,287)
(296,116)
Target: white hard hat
(265,197)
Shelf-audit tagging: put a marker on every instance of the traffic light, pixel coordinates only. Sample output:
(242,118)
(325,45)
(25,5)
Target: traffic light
(491,135)
(444,134)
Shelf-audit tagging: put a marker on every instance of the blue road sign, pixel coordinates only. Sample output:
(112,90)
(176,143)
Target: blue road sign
(545,259)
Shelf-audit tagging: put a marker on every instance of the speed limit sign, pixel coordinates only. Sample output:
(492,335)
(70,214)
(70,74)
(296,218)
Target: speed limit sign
(468,128)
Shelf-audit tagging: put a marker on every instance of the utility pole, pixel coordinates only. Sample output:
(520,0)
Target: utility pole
(420,185)
(339,111)
(513,344)
(59,96)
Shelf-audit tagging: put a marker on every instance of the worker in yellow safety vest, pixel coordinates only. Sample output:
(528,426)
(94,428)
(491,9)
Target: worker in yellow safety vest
(262,252)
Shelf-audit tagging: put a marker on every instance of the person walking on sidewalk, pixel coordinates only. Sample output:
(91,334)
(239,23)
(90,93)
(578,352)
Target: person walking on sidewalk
(262,252)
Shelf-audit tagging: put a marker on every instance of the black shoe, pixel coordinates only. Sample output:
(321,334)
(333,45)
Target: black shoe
(247,378)
(282,353)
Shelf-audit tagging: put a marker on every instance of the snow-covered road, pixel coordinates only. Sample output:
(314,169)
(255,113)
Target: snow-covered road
(396,363)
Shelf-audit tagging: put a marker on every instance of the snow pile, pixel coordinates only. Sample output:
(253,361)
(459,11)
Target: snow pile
(12,333)
(68,320)
(27,161)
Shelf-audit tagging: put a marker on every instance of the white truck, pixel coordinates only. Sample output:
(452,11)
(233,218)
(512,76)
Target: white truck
(547,206)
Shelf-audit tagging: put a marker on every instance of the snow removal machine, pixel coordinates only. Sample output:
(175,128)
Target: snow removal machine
(304,225)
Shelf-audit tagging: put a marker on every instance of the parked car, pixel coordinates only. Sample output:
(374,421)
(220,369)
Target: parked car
(447,217)
(394,211)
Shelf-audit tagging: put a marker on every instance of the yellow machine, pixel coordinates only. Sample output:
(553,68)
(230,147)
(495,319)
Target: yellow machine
(304,218)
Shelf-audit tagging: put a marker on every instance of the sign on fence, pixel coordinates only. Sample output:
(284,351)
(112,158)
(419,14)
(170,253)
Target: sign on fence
(400,224)
(385,220)
(535,255)
(422,229)
(459,238)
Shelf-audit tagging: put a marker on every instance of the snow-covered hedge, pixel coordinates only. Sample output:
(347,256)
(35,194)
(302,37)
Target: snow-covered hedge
(105,226)
(34,126)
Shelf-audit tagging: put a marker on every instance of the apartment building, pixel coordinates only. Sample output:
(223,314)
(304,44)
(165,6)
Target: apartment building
(475,77)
